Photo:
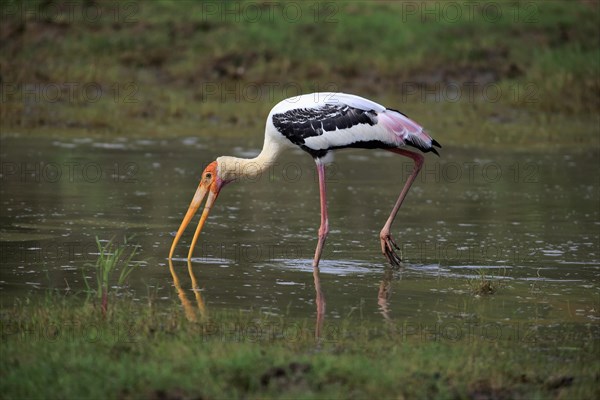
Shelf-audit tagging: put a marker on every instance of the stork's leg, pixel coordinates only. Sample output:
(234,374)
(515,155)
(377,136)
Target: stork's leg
(388,245)
(324,229)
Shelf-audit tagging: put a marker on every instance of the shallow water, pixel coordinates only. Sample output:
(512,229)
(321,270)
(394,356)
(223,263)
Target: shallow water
(528,221)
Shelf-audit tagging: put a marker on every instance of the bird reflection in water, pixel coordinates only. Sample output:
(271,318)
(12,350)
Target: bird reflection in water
(320,302)
(385,293)
(190,312)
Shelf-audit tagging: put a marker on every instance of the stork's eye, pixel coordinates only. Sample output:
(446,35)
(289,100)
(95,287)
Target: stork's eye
(208,176)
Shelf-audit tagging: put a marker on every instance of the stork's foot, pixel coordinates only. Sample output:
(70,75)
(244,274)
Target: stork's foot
(388,248)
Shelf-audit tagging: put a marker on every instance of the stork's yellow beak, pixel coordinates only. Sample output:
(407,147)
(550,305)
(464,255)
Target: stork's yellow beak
(209,184)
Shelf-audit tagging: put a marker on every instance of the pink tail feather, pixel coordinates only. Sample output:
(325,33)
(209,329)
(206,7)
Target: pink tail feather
(411,133)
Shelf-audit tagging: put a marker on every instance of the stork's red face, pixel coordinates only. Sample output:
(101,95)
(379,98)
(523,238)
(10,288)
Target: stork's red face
(210,184)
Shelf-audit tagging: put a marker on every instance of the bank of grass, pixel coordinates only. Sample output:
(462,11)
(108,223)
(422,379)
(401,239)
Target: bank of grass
(179,68)
(65,348)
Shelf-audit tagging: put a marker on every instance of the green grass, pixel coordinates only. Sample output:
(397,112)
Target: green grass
(111,257)
(63,348)
(167,68)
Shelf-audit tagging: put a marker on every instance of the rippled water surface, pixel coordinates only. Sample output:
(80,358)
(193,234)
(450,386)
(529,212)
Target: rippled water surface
(529,222)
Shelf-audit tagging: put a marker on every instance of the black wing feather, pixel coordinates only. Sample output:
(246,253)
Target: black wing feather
(301,123)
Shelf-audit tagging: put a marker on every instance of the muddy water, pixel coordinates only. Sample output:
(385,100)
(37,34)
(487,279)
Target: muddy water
(528,221)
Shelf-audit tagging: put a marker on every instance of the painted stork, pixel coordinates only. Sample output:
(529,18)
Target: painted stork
(319,123)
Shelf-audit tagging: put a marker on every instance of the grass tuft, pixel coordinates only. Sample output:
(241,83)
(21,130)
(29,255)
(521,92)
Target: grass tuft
(111,257)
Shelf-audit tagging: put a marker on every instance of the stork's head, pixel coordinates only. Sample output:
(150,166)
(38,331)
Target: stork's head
(210,184)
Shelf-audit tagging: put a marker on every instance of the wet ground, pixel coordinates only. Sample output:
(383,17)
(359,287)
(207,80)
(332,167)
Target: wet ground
(527,222)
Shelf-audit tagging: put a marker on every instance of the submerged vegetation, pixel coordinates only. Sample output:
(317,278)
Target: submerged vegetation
(502,72)
(485,285)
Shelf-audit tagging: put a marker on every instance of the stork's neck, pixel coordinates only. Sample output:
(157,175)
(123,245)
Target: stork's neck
(234,168)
